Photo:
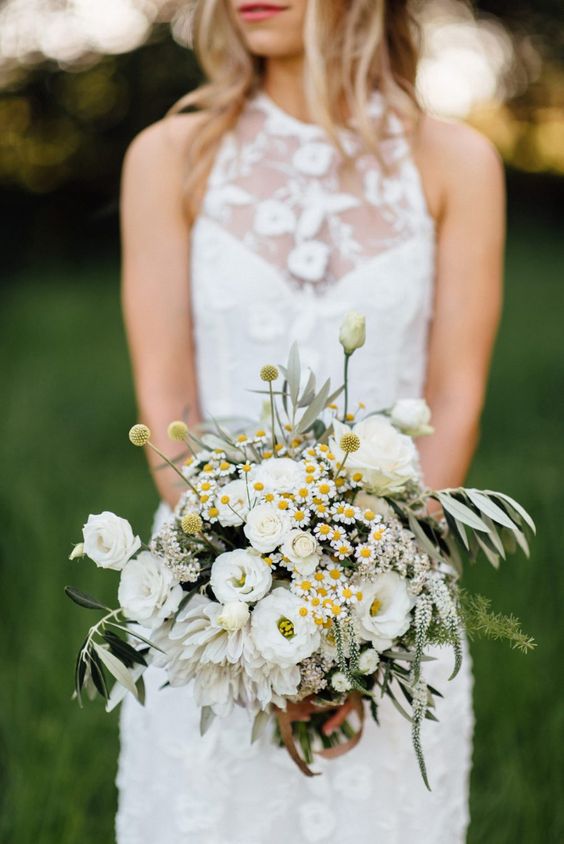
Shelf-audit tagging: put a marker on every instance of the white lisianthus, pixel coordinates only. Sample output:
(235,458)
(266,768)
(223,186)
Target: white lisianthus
(148,592)
(340,682)
(280,474)
(368,661)
(233,616)
(353,332)
(280,632)
(109,540)
(387,459)
(379,506)
(302,549)
(267,527)
(412,416)
(384,613)
(238,501)
(77,551)
(240,575)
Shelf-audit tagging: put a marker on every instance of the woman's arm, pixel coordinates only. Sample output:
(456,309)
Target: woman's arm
(463,179)
(156,286)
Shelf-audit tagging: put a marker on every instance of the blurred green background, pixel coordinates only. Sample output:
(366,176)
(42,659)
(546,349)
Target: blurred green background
(65,120)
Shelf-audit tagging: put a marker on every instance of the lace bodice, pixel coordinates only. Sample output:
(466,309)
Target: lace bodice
(284,245)
(287,241)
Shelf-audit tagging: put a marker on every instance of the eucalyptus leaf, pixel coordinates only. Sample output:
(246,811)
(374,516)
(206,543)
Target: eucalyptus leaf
(293,373)
(315,409)
(491,555)
(123,650)
(516,506)
(137,635)
(457,531)
(97,675)
(422,538)
(83,599)
(494,536)
(116,668)
(461,512)
(308,391)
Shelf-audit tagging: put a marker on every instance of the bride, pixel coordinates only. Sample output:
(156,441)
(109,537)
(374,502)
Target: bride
(306,181)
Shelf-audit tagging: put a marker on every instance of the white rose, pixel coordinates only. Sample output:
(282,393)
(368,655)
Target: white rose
(109,540)
(267,527)
(238,501)
(368,661)
(340,682)
(148,592)
(412,416)
(302,549)
(281,634)
(240,575)
(385,610)
(353,332)
(233,616)
(366,501)
(280,474)
(386,458)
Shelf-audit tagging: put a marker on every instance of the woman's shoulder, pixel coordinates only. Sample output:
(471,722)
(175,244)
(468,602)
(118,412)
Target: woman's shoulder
(164,143)
(455,159)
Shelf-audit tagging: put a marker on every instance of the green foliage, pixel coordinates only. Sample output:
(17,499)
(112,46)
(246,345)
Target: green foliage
(481,620)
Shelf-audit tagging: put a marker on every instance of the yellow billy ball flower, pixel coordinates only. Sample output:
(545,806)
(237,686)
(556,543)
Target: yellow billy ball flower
(350,442)
(191,523)
(139,435)
(269,372)
(177,430)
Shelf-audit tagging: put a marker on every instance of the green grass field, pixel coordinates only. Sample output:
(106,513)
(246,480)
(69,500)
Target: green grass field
(67,406)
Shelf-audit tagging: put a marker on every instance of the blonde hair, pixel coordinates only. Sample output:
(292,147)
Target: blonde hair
(351,48)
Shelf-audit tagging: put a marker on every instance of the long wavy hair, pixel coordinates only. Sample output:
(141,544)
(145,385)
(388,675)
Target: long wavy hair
(351,48)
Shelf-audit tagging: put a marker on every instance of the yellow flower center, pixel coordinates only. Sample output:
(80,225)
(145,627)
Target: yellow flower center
(303,611)
(299,516)
(306,585)
(286,627)
(258,486)
(224,499)
(375,607)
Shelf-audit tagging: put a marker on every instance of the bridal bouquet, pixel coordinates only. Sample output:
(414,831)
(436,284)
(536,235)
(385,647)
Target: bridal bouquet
(302,563)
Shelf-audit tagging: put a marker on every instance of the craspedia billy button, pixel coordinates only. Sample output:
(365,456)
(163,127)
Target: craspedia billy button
(139,435)
(177,430)
(350,442)
(191,523)
(269,372)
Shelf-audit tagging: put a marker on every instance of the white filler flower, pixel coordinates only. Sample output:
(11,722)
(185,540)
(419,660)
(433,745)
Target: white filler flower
(233,503)
(280,474)
(340,682)
(385,610)
(109,540)
(386,458)
(240,575)
(281,633)
(267,527)
(302,549)
(147,590)
(368,661)
(412,416)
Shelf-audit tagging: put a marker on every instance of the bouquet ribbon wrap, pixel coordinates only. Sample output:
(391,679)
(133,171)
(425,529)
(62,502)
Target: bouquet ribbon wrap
(287,735)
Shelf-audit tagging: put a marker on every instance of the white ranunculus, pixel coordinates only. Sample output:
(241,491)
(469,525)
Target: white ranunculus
(412,416)
(385,610)
(240,575)
(273,218)
(366,501)
(387,459)
(340,682)
(109,540)
(368,661)
(238,496)
(283,636)
(267,527)
(280,474)
(308,260)
(233,616)
(148,592)
(353,332)
(302,549)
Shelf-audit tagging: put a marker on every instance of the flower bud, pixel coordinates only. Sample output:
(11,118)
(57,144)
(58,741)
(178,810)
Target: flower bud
(233,616)
(139,435)
(412,416)
(177,430)
(340,682)
(77,551)
(353,332)
(368,661)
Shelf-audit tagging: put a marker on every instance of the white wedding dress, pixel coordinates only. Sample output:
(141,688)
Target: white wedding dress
(284,245)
